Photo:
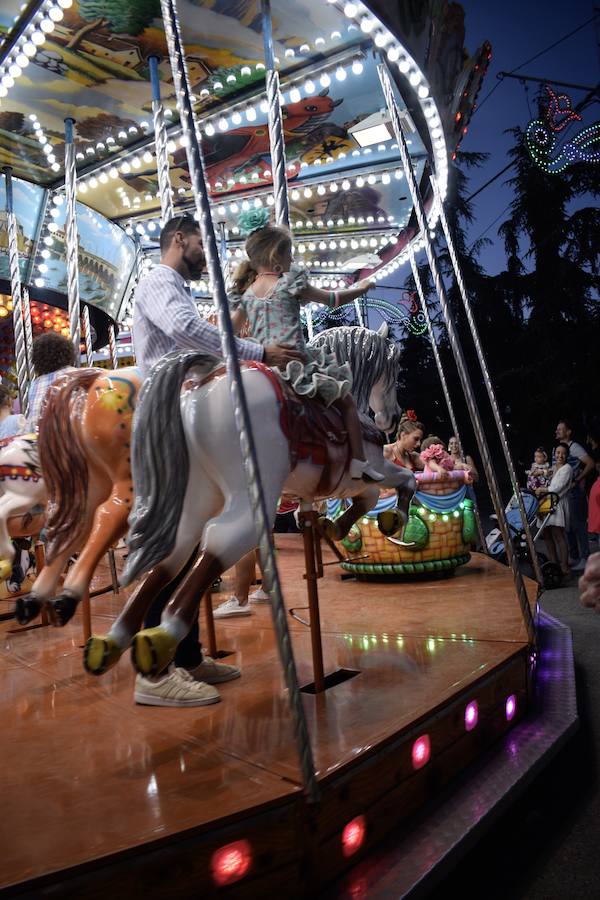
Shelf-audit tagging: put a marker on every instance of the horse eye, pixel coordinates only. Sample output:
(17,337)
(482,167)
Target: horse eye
(311,108)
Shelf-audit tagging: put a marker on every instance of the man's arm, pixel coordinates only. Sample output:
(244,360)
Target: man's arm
(584,458)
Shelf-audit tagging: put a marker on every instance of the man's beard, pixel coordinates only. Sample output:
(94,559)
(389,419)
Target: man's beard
(196,270)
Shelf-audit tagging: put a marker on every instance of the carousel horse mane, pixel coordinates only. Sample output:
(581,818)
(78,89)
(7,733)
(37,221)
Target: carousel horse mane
(65,458)
(370,354)
(160,483)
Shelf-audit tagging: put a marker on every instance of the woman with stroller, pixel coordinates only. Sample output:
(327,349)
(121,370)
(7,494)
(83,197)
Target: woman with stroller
(555,529)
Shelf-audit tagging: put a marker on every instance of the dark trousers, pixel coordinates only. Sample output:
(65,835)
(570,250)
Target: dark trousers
(577,532)
(189,652)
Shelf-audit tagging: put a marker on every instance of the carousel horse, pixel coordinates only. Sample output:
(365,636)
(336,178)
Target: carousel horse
(84,445)
(191,489)
(22,496)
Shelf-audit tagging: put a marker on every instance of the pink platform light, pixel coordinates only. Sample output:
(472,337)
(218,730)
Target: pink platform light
(471,715)
(421,751)
(353,835)
(231,862)
(511,707)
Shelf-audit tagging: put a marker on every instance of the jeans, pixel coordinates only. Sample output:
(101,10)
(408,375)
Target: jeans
(577,531)
(189,651)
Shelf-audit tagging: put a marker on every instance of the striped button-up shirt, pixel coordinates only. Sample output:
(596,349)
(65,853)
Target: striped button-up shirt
(37,393)
(166,319)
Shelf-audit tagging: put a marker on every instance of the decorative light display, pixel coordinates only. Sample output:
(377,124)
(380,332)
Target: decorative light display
(29,42)
(471,715)
(421,752)
(353,836)
(405,313)
(549,152)
(231,862)
(511,707)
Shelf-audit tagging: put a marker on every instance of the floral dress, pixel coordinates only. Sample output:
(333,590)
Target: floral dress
(275,319)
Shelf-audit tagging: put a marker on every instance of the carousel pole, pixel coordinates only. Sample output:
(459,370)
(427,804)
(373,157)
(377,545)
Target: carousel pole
(386,84)
(441,373)
(488,382)
(359,315)
(160,144)
(87,333)
(71,241)
(28,331)
(240,407)
(17,296)
(276,136)
(112,347)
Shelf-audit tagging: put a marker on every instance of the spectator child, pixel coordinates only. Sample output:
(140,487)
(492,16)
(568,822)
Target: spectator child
(540,473)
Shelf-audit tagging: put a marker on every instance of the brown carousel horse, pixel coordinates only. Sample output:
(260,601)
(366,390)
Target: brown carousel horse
(84,448)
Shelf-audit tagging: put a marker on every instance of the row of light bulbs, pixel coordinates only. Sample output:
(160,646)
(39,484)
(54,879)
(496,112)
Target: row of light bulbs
(47,147)
(26,47)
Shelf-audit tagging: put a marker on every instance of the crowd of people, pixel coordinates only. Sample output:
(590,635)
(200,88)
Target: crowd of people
(569,476)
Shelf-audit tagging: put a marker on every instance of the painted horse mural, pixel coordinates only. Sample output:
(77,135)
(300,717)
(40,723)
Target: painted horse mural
(84,445)
(190,484)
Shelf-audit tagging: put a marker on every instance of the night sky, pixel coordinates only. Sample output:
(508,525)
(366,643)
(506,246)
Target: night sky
(517,30)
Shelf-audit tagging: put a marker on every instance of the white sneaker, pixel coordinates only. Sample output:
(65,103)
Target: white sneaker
(259,596)
(231,607)
(176,688)
(212,672)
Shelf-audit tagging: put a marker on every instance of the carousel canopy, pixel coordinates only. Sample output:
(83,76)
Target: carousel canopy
(349,205)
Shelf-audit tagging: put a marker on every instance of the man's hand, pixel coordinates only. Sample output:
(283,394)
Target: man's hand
(279,355)
(589,583)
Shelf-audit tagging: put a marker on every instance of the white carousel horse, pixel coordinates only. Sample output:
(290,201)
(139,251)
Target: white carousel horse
(22,496)
(190,483)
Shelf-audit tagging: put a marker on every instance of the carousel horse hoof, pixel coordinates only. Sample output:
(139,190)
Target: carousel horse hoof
(328,528)
(27,608)
(152,650)
(101,653)
(389,522)
(63,608)
(5,569)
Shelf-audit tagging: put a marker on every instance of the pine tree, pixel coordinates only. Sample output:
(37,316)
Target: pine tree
(119,17)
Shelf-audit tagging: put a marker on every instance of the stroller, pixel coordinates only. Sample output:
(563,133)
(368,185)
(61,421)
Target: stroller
(537,512)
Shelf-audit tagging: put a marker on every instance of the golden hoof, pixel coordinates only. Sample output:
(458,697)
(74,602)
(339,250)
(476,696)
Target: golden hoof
(101,653)
(5,569)
(328,528)
(152,650)
(389,522)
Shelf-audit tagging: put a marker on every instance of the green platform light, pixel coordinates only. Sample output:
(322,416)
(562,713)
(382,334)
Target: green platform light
(456,514)
(432,517)
(421,510)
(445,518)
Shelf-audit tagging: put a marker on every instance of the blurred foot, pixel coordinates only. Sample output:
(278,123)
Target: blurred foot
(231,607)
(212,672)
(175,688)
(259,596)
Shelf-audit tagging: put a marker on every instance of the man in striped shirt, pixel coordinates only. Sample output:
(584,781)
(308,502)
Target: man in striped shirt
(166,319)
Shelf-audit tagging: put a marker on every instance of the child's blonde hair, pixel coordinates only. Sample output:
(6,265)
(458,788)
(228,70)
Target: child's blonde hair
(264,248)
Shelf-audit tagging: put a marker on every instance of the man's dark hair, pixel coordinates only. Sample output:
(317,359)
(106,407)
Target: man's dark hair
(184,223)
(52,351)
(5,397)
(566,423)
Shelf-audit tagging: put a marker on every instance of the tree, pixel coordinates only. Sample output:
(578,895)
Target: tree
(115,15)
(13,122)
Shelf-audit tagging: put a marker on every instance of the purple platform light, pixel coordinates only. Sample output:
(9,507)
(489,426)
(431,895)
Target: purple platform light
(471,715)
(421,751)
(511,707)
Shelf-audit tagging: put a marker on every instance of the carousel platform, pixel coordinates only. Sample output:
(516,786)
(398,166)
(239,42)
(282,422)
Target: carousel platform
(104,798)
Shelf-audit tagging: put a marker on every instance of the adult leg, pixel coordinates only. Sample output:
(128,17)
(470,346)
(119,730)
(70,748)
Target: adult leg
(359,465)
(562,549)
(549,541)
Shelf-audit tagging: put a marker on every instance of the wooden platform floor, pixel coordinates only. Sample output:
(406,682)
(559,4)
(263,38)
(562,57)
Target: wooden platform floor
(86,773)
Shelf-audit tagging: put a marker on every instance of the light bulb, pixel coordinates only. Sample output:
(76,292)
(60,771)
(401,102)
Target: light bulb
(295,95)
(340,73)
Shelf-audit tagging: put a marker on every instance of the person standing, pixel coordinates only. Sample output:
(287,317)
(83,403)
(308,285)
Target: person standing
(10,423)
(53,355)
(582,464)
(555,529)
(165,319)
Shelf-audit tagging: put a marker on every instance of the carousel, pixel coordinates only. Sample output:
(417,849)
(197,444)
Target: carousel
(397,683)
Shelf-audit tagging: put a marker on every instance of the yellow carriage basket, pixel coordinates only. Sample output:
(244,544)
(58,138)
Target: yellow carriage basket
(440,532)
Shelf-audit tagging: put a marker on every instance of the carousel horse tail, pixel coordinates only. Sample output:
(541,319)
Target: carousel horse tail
(160,462)
(64,460)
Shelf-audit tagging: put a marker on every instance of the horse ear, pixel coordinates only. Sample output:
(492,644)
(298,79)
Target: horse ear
(324,92)
(383,330)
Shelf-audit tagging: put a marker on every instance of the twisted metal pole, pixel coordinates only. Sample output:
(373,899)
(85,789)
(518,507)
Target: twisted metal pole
(17,298)
(276,135)
(240,407)
(71,241)
(112,347)
(442,374)
(388,91)
(160,144)
(28,331)
(359,315)
(488,382)
(87,333)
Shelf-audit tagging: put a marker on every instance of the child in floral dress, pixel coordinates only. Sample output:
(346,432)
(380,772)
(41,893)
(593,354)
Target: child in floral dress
(268,293)
(436,459)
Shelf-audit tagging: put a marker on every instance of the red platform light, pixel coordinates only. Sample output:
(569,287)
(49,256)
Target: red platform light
(421,751)
(231,862)
(353,835)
